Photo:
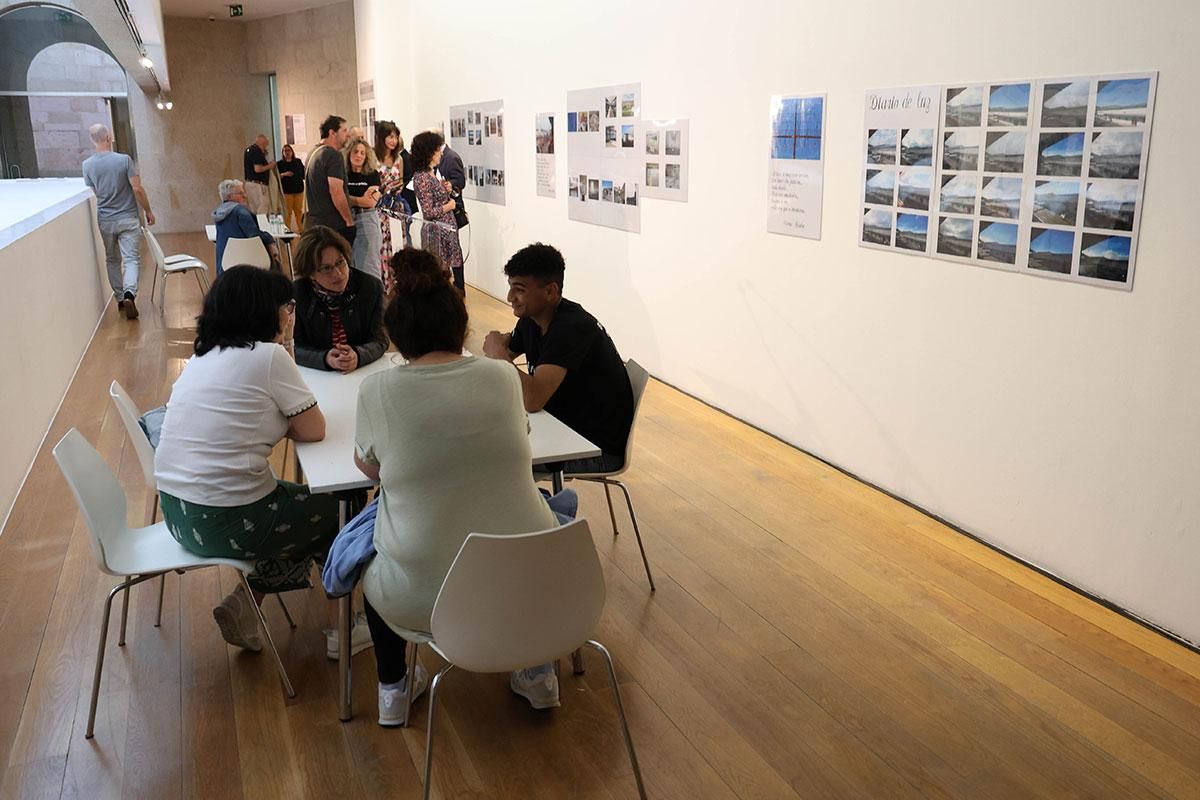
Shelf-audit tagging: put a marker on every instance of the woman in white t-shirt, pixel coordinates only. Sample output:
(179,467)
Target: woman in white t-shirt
(235,400)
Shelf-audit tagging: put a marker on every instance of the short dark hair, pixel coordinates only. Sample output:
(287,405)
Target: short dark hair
(383,128)
(312,243)
(424,145)
(241,309)
(331,124)
(542,262)
(425,312)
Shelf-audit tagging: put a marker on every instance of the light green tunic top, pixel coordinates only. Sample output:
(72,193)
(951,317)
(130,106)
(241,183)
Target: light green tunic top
(452,445)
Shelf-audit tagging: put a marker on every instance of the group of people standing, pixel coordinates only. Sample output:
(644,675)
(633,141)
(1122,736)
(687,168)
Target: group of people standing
(358,190)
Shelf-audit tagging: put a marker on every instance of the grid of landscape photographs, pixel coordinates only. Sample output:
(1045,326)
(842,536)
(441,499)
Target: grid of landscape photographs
(897,186)
(1062,198)
(982,155)
(477,135)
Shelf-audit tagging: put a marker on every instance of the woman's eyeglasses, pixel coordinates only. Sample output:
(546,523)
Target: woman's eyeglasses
(325,269)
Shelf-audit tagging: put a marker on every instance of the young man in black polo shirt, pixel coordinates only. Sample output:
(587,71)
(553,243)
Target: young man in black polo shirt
(575,371)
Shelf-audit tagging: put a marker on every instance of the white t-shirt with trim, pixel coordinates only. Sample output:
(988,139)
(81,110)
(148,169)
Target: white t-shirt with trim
(227,410)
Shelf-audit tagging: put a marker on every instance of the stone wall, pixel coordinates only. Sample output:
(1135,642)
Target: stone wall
(312,55)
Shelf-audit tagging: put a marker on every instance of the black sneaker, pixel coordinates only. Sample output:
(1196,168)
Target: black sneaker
(129,306)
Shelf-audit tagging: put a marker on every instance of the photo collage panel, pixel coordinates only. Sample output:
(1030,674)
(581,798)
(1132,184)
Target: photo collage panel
(664,152)
(897,183)
(1045,176)
(477,135)
(616,191)
(982,155)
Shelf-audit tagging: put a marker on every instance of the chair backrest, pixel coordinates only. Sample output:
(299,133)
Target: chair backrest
(510,602)
(156,250)
(638,378)
(245,251)
(137,436)
(96,490)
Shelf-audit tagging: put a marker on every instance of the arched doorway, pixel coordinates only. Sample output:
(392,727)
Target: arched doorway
(57,77)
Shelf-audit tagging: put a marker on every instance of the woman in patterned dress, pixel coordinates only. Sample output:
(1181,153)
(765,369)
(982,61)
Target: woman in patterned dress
(388,147)
(439,234)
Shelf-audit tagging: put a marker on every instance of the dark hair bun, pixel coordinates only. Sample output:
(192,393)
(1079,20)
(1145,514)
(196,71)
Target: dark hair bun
(418,272)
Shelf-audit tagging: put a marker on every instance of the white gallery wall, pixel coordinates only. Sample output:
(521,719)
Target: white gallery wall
(1057,421)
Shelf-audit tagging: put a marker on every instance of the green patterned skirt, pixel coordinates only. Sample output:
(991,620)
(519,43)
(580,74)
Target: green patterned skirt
(283,533)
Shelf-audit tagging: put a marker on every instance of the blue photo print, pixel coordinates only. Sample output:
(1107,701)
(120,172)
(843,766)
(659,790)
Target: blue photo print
(796,128)
(572,122)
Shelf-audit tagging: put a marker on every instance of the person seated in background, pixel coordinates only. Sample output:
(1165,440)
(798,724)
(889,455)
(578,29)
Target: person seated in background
(238,397)
(575,371)
(339,310)
(446,436)
(235,220)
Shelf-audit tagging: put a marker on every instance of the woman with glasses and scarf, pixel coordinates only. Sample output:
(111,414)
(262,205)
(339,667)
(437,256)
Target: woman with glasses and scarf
(339,310)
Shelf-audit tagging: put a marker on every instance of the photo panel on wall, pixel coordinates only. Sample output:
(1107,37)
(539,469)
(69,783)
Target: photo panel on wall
(901,162)
(607,168)
(474,135)
(796,167)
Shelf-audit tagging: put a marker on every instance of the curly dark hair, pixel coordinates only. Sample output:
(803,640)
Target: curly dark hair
(542,262)
(426,313)
(312,243)
(331,124)
(242,309)
(424,145)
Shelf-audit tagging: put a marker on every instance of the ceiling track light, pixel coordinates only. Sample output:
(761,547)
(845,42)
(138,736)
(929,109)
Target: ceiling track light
(146,62)
(163,104)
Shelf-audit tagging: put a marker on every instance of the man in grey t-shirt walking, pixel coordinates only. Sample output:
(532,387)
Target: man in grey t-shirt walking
(114,179)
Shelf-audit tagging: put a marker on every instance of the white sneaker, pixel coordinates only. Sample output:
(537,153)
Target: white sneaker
(393,712)
(238,621)
(360,637)
(538,685)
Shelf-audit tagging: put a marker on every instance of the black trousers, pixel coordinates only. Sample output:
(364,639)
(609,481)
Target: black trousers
(391,656)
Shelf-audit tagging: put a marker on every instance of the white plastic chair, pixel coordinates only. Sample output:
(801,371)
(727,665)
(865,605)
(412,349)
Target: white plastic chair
(245,251)
(492,613)
(638,378)
(177,264)
(134,554)
(145,456)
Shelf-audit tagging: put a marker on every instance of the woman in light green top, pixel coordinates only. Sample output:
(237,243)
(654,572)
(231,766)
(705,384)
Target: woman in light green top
(447,438)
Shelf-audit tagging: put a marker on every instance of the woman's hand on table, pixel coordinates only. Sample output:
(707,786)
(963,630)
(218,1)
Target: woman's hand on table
(342,358)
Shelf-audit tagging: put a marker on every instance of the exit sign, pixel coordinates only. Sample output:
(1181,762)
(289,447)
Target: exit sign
(235,11)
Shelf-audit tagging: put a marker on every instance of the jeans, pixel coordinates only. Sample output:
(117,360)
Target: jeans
(122,253)
(368,240)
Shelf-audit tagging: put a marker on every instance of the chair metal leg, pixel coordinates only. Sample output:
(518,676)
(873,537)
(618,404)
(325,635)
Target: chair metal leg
(262,623)
(91,726)
(612,515)
(433,687)
(154,283)
(162,585)
(124,612)
(124,586)
(409,681)
(612,678)
(637,531)
(286,614)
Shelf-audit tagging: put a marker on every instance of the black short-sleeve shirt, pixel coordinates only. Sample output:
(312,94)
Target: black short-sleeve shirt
(252,156)
(324,163)
(595,398)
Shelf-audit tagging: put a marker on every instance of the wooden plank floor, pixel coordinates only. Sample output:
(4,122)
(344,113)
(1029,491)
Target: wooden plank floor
(810,637)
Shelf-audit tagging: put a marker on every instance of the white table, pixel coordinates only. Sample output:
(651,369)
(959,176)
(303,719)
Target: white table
(329,465)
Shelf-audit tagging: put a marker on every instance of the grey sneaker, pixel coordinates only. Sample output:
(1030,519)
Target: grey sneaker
(538,685)
(237,620)
(360,637)
(393,712)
